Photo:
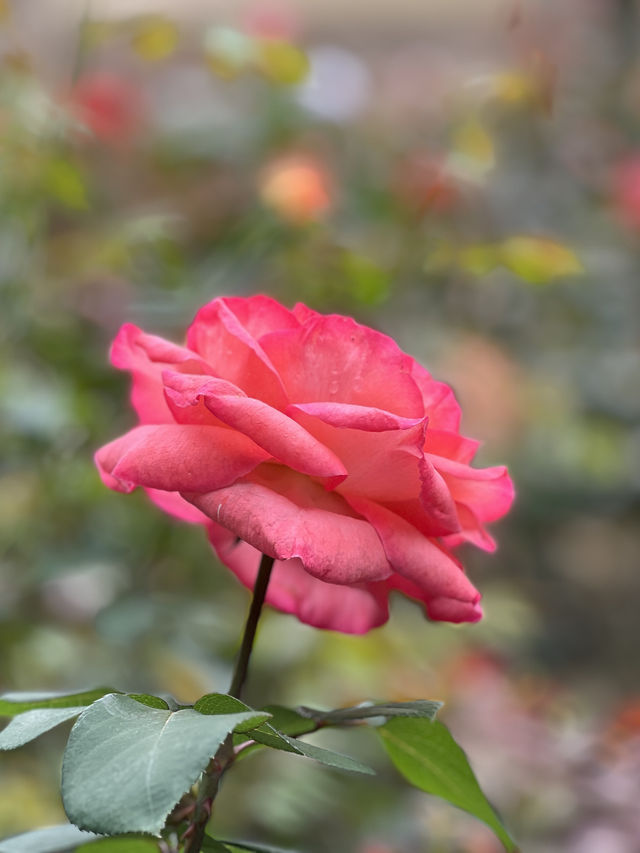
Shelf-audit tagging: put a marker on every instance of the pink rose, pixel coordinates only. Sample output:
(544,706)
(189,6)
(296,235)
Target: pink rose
(317,441)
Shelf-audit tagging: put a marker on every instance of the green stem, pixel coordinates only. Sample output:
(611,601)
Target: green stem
(259,592)
(208,787)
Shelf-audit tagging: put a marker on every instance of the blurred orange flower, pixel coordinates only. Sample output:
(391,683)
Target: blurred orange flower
(298,188)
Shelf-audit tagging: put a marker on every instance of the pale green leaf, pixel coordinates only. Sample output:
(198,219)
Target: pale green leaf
(29,725)
(17,703)
(418,708)
(126,765)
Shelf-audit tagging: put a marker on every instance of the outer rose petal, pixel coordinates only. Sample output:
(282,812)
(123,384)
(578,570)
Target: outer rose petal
(275,432)
(450,445)
(334,359)
(220,338)
(260,314)
(471,530)
(440,402)
(488,492)
(286,515)
(350,609)
(177,458)
(146,356)
(430,570)
(173,504)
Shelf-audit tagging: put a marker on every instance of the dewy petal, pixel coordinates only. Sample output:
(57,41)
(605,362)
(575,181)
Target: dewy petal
(334,359)
(176,458)
(234,354)
(440,404)
(335,607)
(275,432)
(488,492)
(430,570)
(146,356)
(286,515)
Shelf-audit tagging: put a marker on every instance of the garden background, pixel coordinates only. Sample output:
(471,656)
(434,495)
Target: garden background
(464,176)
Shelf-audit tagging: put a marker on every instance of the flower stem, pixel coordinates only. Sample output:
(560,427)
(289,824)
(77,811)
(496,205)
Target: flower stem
(259,592)
(208,787)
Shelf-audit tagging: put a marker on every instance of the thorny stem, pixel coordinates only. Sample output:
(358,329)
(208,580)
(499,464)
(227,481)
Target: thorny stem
(208,787)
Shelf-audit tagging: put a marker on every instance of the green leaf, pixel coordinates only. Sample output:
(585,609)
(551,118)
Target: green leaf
(210,845)
(50,839)
(29,725)
(126,765)
(290,721)
(253,847)
(17,703)
(268,736)
(427,756)
(120,844)
(150,701)
(222,703)
(419,708)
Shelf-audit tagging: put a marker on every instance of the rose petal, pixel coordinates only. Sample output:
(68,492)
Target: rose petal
(335,607)
(348,415)
(488,492)
(286,515)
(387,466)
(450,445)
(432,572)
(471,530)
(275,432)
(261,314)
(233,353)
(146,356)
(440,404)
(177,458)
(174,504)
(334,359)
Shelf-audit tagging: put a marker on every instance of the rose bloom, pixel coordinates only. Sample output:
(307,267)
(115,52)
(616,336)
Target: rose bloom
(109,105)
(314,440)
(626,191)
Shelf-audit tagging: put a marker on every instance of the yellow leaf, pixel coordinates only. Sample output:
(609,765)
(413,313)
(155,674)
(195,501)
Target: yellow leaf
(478,259)
(65,184)
(473,143)
(155,38)
(283,62)
(514,87)
(539,260)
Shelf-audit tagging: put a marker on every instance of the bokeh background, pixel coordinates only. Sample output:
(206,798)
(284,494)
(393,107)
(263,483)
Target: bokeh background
(464,176)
